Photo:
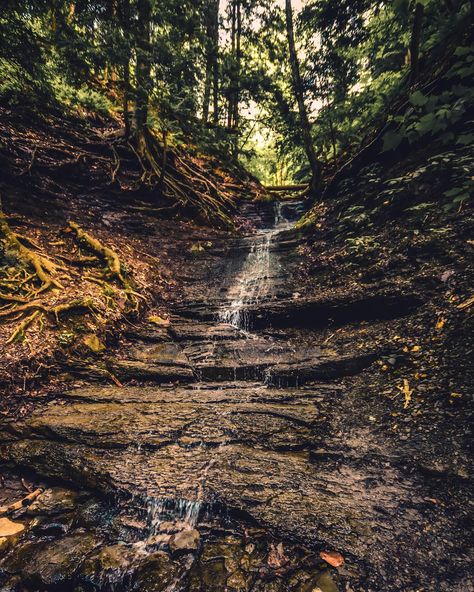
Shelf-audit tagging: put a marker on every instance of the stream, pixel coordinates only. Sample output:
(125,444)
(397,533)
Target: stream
(221,464)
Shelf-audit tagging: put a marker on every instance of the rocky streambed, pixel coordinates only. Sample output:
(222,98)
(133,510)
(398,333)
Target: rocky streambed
(221,463)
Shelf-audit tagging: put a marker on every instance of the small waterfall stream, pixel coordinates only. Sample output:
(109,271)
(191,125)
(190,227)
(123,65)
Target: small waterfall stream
(254,280)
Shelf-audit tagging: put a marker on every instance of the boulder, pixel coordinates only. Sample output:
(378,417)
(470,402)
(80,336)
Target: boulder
(50,563)
(54,501)
(184,541)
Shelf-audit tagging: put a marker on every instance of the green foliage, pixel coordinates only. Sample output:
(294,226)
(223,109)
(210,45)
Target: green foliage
(437,114)
(83,56)
(82,99)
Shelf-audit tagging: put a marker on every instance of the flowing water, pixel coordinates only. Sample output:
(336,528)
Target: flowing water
(254,280)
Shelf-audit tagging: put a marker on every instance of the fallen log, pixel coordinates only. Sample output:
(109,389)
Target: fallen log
(281,188)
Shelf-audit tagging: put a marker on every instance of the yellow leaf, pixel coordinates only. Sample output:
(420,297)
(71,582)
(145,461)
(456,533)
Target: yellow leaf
(456,395)
(156,320)
(94,343)
(10,528)
(407,392)
(440,324)
(415,348)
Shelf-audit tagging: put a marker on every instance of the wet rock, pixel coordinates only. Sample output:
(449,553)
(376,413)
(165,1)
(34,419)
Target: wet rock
(322,369)
(277,362)
(316,312)
(161,362)
(156,573)
(91,513)
(50,563)
(53,528)
(189,330)
(150,334)
(115,425)
(283,491)
(326,583)
(113,565)
(54,501)
(184,541)
(130,369)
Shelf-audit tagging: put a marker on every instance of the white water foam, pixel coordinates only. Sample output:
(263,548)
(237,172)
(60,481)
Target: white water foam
(254,279)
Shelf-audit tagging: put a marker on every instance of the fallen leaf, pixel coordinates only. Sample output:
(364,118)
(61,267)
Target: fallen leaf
(415,348)
(10,528)
(440,324)
(332,557)
(94,343)
(276,556)
(156,320)
(405,389)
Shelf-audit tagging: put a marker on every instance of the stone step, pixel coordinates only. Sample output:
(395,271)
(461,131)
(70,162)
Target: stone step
(275,362)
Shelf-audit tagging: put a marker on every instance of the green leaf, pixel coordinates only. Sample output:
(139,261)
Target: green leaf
(418,99)
(465,139)
(391,140)
(454,191)
(461,51)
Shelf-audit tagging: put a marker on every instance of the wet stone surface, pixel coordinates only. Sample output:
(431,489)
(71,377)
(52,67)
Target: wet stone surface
(229,459)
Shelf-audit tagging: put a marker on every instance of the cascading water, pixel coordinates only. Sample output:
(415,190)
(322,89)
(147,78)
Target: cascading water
(254,280)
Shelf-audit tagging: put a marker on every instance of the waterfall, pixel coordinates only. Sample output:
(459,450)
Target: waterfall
(254,280)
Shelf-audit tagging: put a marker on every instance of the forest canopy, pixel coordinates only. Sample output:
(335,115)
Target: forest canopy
(218,75)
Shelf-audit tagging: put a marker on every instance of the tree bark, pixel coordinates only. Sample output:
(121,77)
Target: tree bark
(230,106)
(215,64)
(125,17)
(238,58)
(208,51)
(143,66)
(415,42)
(298,92)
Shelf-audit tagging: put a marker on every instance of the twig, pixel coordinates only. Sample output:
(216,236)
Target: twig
(23,503)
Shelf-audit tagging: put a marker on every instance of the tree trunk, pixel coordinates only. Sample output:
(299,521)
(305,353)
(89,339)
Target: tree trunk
(143,66)
(298,92)
(208,50)
(230,106)
(238,58)
(215,64)
(415,42)
(125,18)
(126,97)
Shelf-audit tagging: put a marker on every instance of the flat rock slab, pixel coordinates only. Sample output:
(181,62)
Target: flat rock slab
(204,392)
(276,362)
(160,362)
(153,418)
(189,330)
(243,448)
(315,312)
(348,508)
(48,564)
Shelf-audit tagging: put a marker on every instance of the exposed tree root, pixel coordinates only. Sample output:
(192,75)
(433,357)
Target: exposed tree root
(20,329)
(112,259)
(44,268)
(39,310)
(184,182)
